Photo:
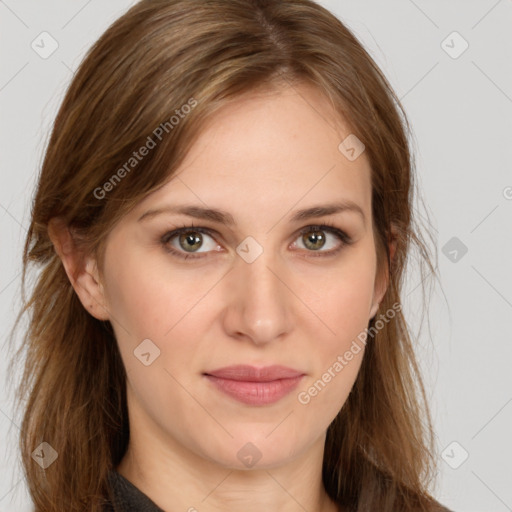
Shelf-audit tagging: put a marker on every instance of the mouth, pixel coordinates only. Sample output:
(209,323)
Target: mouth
(255,386)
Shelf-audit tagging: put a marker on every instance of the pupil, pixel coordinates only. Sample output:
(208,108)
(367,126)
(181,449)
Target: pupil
(192,239)
(315,237)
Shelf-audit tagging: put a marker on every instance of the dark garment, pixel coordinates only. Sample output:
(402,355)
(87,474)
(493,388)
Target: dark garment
(127,497)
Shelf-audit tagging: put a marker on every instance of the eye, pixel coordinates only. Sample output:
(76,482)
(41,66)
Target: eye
(186,241)
(314,238)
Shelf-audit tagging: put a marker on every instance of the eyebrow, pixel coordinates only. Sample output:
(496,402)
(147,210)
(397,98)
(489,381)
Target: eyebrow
(223,217)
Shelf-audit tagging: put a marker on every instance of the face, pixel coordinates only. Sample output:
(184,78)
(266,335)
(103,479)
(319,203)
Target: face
(265,286)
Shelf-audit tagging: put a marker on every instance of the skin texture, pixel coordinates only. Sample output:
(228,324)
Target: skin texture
(260,158)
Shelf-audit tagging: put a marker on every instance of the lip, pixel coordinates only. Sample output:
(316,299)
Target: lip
(248,373)
(255,386)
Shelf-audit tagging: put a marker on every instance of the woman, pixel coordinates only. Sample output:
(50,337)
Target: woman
(222,222)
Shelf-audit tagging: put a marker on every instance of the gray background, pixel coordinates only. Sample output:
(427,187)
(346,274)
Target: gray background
(460,107)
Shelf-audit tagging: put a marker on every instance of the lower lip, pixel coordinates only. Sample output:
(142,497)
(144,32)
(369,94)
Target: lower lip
(256,393)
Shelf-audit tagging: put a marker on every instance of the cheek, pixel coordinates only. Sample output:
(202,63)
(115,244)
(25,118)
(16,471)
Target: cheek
(339,351)
(343,295)
(342,302)
(146,295)
(149,298)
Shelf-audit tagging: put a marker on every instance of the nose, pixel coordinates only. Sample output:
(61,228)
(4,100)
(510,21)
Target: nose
(259,303)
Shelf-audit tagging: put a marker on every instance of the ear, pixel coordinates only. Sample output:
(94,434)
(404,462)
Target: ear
(382,281)
(82,271)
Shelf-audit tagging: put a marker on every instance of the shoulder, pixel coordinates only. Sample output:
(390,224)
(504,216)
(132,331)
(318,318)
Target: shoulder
(125,496)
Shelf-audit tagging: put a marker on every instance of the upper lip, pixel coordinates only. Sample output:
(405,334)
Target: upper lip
(249,373)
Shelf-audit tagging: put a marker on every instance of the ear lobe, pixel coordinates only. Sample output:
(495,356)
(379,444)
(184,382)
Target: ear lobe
(374,310)
(81,270)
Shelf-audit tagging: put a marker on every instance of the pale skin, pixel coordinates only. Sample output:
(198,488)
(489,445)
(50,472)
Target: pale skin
(260,159)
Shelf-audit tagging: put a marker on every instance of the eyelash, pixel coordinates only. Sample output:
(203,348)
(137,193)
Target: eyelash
(326,226)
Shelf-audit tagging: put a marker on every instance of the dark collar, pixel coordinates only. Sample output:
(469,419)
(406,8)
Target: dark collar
(127,497)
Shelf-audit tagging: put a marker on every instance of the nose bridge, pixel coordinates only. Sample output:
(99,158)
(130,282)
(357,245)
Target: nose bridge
(259,278)
(261,303)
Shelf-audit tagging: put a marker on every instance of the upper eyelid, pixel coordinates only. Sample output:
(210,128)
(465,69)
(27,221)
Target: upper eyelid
(208,231)
(325,226)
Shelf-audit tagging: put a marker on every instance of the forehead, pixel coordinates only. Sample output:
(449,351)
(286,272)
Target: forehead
(276,148)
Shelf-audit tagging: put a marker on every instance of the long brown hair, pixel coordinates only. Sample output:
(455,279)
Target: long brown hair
(158,57)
